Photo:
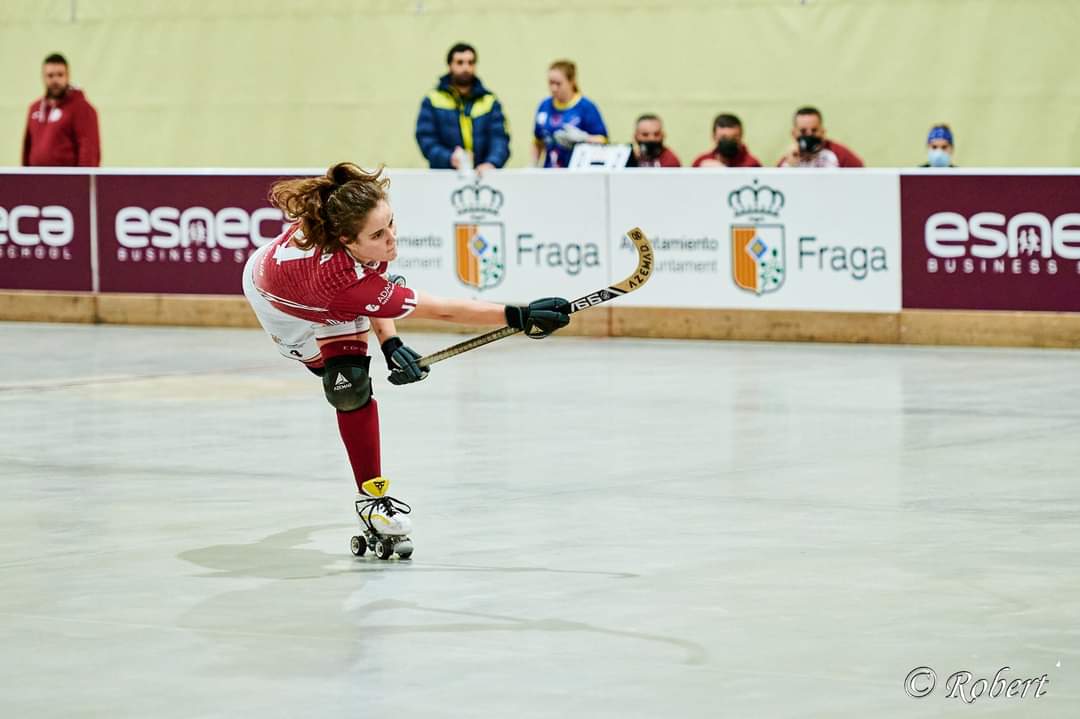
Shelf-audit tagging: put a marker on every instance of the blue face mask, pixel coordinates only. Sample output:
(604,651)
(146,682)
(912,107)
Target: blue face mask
(939,158)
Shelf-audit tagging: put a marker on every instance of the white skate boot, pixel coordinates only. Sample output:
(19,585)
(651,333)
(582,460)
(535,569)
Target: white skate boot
(384,528)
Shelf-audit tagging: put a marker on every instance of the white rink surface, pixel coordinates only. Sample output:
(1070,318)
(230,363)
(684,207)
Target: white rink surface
(604,528)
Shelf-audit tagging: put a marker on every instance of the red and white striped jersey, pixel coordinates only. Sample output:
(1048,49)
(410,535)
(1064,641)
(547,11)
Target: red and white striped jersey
(327,288)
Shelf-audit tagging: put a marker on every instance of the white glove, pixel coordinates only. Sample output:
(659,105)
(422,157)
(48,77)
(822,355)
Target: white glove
(570,135)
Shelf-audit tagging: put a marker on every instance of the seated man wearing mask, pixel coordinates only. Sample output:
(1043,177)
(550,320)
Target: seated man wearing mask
(811,148)
(939,147)
(649,142)
(729,150)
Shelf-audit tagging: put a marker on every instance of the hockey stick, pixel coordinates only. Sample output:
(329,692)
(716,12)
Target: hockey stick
(636,279)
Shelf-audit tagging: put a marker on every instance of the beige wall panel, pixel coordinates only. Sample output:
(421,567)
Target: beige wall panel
(1007,329)
(755,325)
(21,306)
(208,311)
(302,83)
(927,327)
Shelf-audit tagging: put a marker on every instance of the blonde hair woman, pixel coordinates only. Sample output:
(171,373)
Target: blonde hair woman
(565,119)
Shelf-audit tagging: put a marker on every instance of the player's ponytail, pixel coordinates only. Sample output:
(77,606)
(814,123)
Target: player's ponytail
(332,206)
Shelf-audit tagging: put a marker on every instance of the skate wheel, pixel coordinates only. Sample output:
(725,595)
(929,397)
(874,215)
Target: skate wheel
(358,546)
(384,549)
(404,549)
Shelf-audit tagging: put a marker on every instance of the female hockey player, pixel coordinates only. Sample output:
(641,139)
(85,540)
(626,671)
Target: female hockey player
(319,287)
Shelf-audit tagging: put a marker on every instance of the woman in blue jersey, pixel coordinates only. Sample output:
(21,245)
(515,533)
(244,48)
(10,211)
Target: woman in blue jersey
(565,119)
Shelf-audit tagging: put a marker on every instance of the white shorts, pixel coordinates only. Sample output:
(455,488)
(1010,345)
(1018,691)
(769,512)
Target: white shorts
(295,338)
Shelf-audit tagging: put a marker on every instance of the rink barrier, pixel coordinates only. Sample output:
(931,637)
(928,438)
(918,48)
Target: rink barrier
(909,327)
(201,311)
(854,256)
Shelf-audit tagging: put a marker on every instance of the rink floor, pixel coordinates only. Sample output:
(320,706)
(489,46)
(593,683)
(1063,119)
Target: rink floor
(604,528)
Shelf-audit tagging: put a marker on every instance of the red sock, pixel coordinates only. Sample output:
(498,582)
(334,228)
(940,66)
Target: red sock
(360,433)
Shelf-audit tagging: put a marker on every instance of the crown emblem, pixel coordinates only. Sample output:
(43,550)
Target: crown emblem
(477,200)
(756,200)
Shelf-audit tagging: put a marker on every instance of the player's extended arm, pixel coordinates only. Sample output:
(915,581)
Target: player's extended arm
(637,278)
(538,319)
(466,312)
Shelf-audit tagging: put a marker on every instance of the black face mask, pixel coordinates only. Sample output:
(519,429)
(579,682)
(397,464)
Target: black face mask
(651,149)
(809,144)
(727,148)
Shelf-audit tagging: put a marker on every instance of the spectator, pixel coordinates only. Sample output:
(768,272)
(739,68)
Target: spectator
(729,150)
(939,147)
(565,119)
(811,148)
(461,123)
(650,150)
(62,127)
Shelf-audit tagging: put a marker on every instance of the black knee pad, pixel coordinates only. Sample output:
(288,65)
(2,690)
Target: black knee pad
(346,382)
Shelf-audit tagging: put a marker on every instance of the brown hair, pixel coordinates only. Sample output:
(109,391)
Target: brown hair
(568,68)
(808,110)
(331,206)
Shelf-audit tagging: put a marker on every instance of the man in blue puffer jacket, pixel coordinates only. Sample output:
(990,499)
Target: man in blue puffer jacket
(461,123)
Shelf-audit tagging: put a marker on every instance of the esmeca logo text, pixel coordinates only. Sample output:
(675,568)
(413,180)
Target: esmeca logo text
(991,243)
(194,234)
(29,231)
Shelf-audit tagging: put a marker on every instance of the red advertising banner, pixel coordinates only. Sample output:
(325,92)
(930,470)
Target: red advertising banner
(187,234)
(991,242)
(45,232)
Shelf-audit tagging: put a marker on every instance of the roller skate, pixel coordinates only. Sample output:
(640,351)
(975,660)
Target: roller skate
(384,528)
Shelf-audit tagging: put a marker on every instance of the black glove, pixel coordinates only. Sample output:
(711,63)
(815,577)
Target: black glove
(403,362)
(540,318)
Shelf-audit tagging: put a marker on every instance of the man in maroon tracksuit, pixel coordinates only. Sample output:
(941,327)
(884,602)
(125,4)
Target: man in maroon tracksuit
(62,127)
(649,139)
(811,148)
(729,150)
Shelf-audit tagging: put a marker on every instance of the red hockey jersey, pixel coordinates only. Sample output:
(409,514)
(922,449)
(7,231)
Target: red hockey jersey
(327,287)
